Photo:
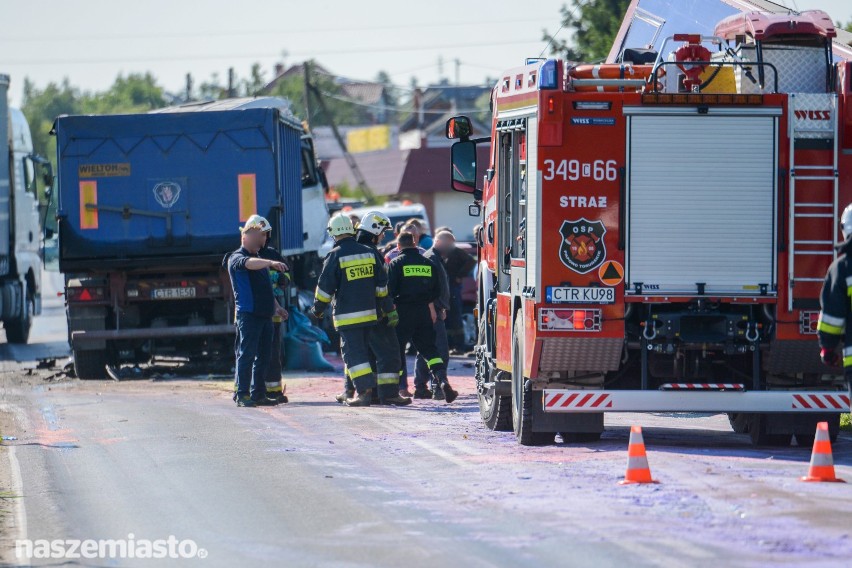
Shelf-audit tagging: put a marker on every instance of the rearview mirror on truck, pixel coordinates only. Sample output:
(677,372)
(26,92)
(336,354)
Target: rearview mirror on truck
(459,127)
(464,166)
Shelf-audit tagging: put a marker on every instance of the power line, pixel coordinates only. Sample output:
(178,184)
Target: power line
(305,54)
(277,32)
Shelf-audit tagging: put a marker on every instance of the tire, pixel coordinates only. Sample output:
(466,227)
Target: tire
(18,329)
(496,411)
(580,437)
(759,437)
(522,413)
(739,422)
(90,365)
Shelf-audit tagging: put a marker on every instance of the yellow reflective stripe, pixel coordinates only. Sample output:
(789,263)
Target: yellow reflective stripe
(355,317)
(357,260)
(388,379)
(360,370)
(381,291)
(322,295)
(352,321)
(847,361)
(829,329)
(435,361)
(417,270)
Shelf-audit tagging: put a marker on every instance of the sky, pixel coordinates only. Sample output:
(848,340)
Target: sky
(91,41)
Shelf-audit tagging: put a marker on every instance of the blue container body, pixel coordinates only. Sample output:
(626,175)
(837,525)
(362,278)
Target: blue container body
(170,186)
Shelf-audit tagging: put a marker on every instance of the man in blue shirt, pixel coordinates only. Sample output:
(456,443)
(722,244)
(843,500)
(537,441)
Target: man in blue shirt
(256,306)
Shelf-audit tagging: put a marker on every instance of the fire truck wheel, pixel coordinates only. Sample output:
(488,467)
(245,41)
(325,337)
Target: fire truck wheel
(496,410)
(739,422)
(90,365)
(580,437)
(522,412)
(759,437)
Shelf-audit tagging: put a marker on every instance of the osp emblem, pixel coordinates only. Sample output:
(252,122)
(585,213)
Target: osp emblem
(582,248)
(166,193)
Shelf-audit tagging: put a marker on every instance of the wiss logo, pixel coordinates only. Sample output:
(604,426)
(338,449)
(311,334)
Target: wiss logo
(813,114)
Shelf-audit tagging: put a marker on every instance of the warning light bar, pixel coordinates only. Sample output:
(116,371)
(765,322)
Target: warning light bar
(700,99)
(564,319)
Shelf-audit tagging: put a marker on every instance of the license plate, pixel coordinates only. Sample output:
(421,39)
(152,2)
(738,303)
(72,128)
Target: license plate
(172,293)
(575,295)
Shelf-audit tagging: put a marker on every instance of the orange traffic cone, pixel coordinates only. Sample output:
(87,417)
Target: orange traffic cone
(822,462)
(637,462)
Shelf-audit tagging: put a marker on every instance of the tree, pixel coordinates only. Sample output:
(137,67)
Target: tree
(131,94)
(594,25)
(342,110)
(847,26)
(254,85)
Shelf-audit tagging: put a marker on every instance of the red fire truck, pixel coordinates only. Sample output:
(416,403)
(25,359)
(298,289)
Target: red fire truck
(655,232)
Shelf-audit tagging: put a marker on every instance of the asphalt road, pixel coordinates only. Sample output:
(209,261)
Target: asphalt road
(312,483)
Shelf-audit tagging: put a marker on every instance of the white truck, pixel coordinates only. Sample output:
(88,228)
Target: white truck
(21,171)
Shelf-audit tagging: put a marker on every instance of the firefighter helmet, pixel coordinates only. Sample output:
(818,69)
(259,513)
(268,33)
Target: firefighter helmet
(340,225)
(846,222)
(257,222)
(374,223)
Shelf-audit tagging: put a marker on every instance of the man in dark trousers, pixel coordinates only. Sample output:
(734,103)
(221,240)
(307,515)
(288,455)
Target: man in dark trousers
(422,377)
(414,284)
(255,305)
(383,342)
(279,280)
(835,317)
(458,265)
(353,276)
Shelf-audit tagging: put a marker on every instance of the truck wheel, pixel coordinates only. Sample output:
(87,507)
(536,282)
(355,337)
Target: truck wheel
(18,329)
(90,365)
(739,422)
(522,412)
(580,437)
(496,410)
(759,437)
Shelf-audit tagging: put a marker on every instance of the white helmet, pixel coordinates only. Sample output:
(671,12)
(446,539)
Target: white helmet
(257,222)
(846,222)
(340,225)
(374,223)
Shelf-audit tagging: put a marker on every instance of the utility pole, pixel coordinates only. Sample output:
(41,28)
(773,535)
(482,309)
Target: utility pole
(188,87)
(350,160)
(306,70)
(231,80)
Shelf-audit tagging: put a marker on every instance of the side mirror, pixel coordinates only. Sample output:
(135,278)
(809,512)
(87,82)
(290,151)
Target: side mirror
(463,158)
(47,177)
(474,210)
(459,127)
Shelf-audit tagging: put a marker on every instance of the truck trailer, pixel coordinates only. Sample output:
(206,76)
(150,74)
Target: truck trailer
(148,206)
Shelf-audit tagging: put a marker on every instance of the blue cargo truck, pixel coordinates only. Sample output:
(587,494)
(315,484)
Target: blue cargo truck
(149,204)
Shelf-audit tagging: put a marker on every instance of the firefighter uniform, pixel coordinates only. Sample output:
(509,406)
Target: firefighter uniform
(834,317)
(353,276)
(279,280)
(383,342)
(414,283)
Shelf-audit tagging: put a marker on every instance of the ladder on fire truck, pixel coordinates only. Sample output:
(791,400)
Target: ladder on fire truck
(805,199)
